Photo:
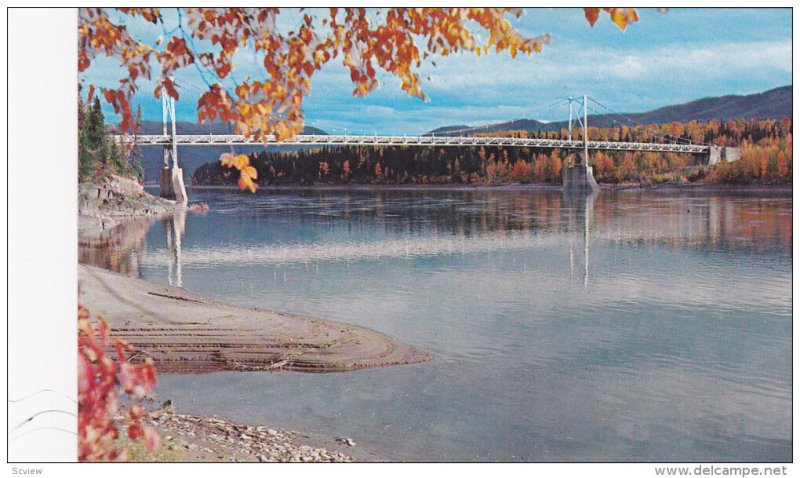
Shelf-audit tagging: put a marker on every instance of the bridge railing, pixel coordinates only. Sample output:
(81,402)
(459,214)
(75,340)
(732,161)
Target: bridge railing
(322,140)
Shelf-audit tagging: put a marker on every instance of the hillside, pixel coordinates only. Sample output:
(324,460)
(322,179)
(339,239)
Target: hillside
(775,103)
(525,124)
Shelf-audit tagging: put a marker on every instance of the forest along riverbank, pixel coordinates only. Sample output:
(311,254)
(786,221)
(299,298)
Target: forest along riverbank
(185,333)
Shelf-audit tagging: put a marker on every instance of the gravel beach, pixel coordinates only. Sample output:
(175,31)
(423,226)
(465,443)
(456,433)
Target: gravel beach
(189,438)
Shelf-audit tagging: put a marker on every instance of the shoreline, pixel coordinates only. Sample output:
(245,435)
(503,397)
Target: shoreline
(185,333)
(111,201)
(779,188)
(196,438)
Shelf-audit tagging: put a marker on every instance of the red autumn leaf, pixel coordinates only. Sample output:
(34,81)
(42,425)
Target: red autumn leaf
(169,85)
(100,380)
(592,14)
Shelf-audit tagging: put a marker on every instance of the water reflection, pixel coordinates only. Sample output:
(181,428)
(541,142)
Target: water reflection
(175,226)
(116,248)
(579,211)
(121,248)
(629,326)
(302,229)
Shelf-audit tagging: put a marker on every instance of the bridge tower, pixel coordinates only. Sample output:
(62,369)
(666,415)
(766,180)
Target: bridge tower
(172,186)
(579,177)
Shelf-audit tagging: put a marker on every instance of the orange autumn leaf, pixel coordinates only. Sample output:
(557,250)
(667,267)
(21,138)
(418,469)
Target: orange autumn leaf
(246,182)
(247,173)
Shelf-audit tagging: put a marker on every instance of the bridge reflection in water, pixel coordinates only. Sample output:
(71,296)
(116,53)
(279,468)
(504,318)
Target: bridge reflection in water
(175,227)
(578,212)
(427,224)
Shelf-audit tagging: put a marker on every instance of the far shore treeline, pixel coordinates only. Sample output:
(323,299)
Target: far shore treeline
(766,158)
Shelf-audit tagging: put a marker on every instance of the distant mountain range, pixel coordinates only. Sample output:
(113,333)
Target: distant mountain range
(775,103)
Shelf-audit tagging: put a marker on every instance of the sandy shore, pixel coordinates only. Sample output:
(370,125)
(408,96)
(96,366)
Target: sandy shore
(186,333)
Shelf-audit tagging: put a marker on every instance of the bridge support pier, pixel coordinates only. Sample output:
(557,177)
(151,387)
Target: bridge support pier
(172,186)
(718,154)
(579,178)
(171,183)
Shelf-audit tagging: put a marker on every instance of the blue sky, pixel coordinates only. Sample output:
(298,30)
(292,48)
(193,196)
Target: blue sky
(663,59)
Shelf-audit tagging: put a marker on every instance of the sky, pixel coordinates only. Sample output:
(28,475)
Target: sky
(663,59)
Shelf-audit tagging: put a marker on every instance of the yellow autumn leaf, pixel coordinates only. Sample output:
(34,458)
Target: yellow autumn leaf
(240,162)
(623,16)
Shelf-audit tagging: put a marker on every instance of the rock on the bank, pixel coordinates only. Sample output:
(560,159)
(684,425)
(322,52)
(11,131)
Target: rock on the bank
(105,202)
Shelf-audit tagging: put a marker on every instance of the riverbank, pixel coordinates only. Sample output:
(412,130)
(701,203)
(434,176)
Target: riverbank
(109,201)
(777,188)
(192,438)
(544,187)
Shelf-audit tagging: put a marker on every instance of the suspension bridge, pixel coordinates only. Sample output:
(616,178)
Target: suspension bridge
(577,176)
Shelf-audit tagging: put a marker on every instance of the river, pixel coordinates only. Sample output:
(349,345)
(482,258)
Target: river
(630,326)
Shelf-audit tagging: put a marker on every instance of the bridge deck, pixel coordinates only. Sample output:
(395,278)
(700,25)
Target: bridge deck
(344,140)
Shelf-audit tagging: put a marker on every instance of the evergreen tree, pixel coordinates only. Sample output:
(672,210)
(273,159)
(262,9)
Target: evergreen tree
(93,147)
(97,152)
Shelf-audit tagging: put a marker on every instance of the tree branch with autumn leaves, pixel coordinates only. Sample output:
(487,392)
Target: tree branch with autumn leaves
(395,40)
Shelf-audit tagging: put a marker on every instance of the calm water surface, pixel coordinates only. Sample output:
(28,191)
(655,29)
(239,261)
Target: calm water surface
(625,327)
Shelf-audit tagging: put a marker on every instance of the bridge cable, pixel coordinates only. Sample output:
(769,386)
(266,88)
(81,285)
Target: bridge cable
(677,140)
(657,133)
(637,124)
(633,122)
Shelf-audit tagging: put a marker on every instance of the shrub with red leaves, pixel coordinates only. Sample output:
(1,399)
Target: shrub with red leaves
(101,379)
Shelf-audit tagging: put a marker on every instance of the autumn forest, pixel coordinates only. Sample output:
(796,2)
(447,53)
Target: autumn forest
(766,158)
